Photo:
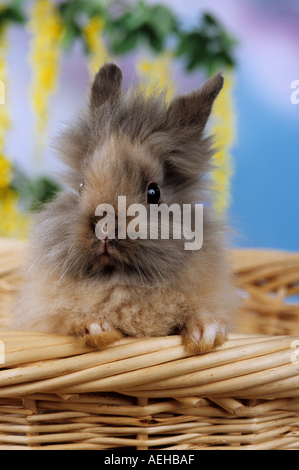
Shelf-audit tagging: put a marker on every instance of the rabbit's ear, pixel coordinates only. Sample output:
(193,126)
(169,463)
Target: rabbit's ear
(106,86)
(187,115)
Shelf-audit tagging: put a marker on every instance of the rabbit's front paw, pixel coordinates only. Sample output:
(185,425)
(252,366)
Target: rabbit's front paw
(96,334)
(200,337)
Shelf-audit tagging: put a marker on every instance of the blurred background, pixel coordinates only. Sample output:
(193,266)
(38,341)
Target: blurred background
(50,50)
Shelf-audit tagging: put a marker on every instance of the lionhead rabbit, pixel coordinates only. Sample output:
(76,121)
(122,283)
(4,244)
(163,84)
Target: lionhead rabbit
(99,288)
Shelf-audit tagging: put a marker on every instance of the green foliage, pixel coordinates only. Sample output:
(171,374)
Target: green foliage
(141,23)
(13,12)
(41,190)
(75,14)
(208,45)
(33,193)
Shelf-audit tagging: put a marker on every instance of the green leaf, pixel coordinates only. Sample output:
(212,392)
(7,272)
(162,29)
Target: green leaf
(41,191)
(208,46)
(156,43)
(210,20)
(12,13)
(141,22)
(125,44)
(73,13)
(33,193)
(71,32)
(137,17)
(148,34)
(162,20)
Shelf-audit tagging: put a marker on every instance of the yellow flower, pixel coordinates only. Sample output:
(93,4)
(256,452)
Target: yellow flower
(5,172)
(12,222)
(93,33)
(157,73)
(223,127)
(46,28)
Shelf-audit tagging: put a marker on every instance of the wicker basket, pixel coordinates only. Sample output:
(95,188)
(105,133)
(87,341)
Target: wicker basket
(148,393)
(269,282)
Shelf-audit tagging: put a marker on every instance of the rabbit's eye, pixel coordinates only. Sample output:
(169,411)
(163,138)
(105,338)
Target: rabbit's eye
(81,187)
(153,193)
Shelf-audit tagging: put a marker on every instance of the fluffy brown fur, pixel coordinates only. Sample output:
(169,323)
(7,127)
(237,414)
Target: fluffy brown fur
(142,287)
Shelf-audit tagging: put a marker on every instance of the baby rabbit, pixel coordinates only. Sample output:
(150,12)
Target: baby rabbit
(82,281)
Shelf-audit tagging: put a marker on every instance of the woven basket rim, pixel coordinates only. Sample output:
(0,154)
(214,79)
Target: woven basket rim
(254,365)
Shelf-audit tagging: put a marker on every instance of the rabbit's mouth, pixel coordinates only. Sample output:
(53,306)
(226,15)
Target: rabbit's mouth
(109,253)
(105,248)
(115,256)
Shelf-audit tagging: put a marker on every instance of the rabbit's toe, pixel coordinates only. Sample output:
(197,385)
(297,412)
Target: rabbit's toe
(200,337)
(97,334)
(100,340)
